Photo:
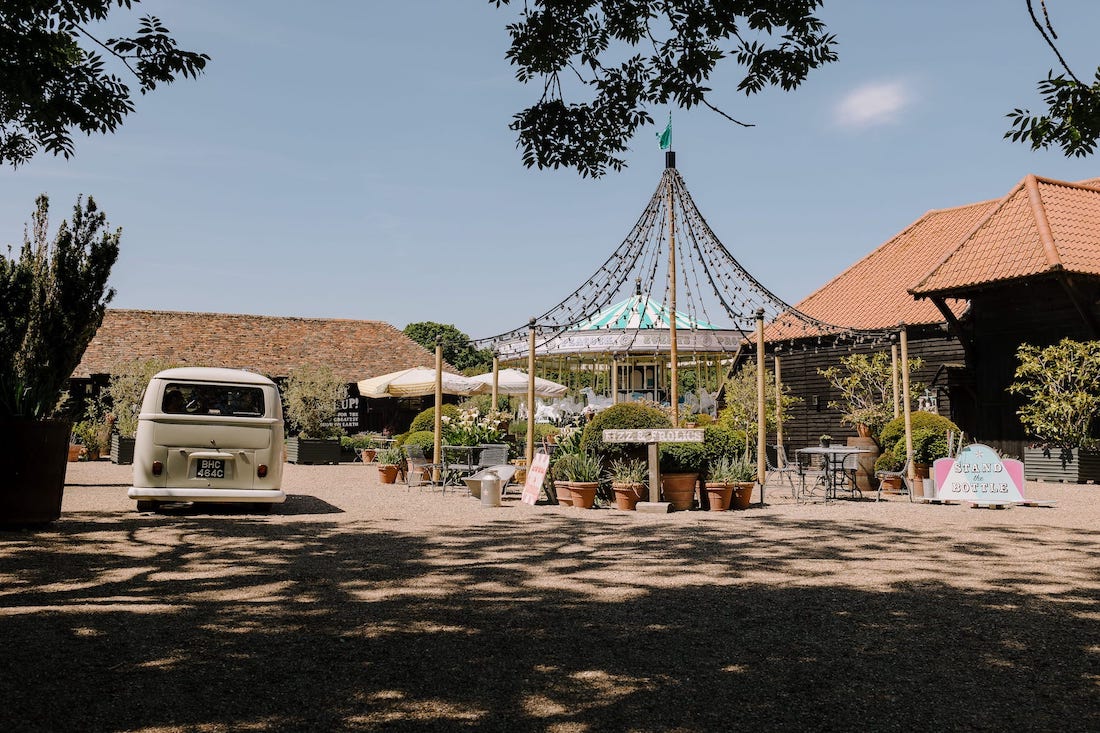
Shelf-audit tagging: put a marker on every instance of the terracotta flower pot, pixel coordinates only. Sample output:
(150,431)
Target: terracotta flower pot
(627,496)
(719,495)
(565,492)
(387,473)
(679,489)
(742,494)
(891,484)
(75,450)
(584,493)
(367,455)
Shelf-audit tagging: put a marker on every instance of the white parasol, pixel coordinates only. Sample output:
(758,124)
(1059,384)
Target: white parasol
(514,381)
(418,382)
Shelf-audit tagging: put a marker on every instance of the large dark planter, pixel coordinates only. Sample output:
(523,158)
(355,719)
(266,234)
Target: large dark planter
(122,449)
(32,470)
(308,450)
(1071,466)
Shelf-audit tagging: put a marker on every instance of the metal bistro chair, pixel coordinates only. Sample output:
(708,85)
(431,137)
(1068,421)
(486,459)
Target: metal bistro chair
(781,465)
(848,469)
(903,474)
(807,470)
(418,471)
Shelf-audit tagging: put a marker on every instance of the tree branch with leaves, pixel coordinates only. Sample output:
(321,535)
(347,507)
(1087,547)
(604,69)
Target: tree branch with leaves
(54,77)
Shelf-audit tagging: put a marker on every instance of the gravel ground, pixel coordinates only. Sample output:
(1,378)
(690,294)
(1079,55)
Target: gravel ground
(358,606)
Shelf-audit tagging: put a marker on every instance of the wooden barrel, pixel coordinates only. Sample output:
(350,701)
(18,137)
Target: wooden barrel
(865,473)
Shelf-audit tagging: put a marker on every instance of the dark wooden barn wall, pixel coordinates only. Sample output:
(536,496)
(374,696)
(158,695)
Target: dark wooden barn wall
(812,417)
(1038,312)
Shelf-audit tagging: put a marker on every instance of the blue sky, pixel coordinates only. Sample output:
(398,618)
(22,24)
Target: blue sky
(352,159)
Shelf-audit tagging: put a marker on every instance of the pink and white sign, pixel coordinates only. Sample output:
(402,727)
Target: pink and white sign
(536,474)
(979,474)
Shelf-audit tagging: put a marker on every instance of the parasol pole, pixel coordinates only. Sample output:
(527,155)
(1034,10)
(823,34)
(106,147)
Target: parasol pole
(437,443)
(761,417)
(496,382)
(529,453)
(674,357)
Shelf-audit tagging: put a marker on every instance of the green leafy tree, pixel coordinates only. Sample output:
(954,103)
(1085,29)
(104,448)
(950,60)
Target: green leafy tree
(1062,386)
(866,386)
(52,301)
(1072,119)
(741,402)
(54,77)
(458,349)
(126,390)
(587,47)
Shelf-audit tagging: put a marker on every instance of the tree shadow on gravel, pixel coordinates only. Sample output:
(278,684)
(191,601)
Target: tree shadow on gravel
(195,623)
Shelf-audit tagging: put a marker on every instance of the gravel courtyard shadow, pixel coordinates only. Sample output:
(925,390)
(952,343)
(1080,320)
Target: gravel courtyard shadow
(209,623)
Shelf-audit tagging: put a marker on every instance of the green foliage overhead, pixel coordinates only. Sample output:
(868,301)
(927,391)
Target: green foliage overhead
(866,386)
(54,78)
(311,398)
(626,58)
(1072,119)
(458,350)
(1062,387)
(52,300)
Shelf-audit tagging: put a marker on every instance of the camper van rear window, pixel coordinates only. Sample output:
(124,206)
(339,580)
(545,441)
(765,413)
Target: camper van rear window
(213,399)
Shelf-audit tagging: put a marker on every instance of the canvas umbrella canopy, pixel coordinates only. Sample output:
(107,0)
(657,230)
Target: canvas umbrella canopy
(418,382)
(514,381)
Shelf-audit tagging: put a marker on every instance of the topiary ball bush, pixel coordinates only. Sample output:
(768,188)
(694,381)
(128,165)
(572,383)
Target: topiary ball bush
(426,419)
(683,458)
(424,438)
(623,416)
(722,441)
(895,429)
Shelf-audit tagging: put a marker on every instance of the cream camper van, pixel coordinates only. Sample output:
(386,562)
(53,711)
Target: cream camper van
(209,435)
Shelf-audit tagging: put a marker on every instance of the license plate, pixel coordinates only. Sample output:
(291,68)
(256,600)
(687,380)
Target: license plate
(210,468)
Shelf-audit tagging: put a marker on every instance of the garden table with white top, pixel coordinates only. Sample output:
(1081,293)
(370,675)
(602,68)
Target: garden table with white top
(832,476)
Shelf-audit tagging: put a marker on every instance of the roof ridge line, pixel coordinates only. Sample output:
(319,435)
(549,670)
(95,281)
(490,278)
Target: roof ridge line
(247,315)
(963,240)
(1046,236)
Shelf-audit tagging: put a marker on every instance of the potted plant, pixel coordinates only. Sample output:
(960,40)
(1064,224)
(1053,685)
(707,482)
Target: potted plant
(86,436)
(581,471)
(389,464)
(681,464)
(825,441)
(52,300)
(929,439)
(889,461)
(1061,384)
(311,397)
(731,478)
(628,482)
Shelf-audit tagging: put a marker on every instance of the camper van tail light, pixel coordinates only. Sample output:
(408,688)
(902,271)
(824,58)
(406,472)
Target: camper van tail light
(261,471)
(158,468)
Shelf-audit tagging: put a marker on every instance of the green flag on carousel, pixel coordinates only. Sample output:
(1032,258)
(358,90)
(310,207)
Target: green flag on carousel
(665,137)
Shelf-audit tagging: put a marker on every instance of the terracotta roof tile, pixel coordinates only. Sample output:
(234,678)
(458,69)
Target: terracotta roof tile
(1040,226)
(270,345)
(871,294)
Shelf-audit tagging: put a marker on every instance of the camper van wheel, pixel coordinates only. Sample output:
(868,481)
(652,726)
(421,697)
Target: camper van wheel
(146,505)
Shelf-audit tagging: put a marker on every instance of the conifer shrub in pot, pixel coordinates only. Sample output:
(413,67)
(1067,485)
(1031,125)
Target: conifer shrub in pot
(929,430)
(52,299)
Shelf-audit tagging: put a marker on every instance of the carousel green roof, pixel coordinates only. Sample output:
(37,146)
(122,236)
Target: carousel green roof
(639,311)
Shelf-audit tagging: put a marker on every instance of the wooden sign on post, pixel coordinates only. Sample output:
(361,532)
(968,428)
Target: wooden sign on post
(653,436)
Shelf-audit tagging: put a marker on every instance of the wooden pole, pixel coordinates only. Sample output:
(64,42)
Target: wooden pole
(894,373)
(906,406)
(437,443)
(529,453)
(761,418)
(778,411)
(496,380)
(614,379)
(674,355)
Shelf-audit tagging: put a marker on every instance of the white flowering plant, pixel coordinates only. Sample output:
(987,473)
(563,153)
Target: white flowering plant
(473,428)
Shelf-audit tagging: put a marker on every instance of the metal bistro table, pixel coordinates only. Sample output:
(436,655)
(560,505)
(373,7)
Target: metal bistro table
(832,476)
(454,470)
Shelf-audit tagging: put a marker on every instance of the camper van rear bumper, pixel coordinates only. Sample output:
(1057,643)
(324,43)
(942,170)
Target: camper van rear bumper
(269,496)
